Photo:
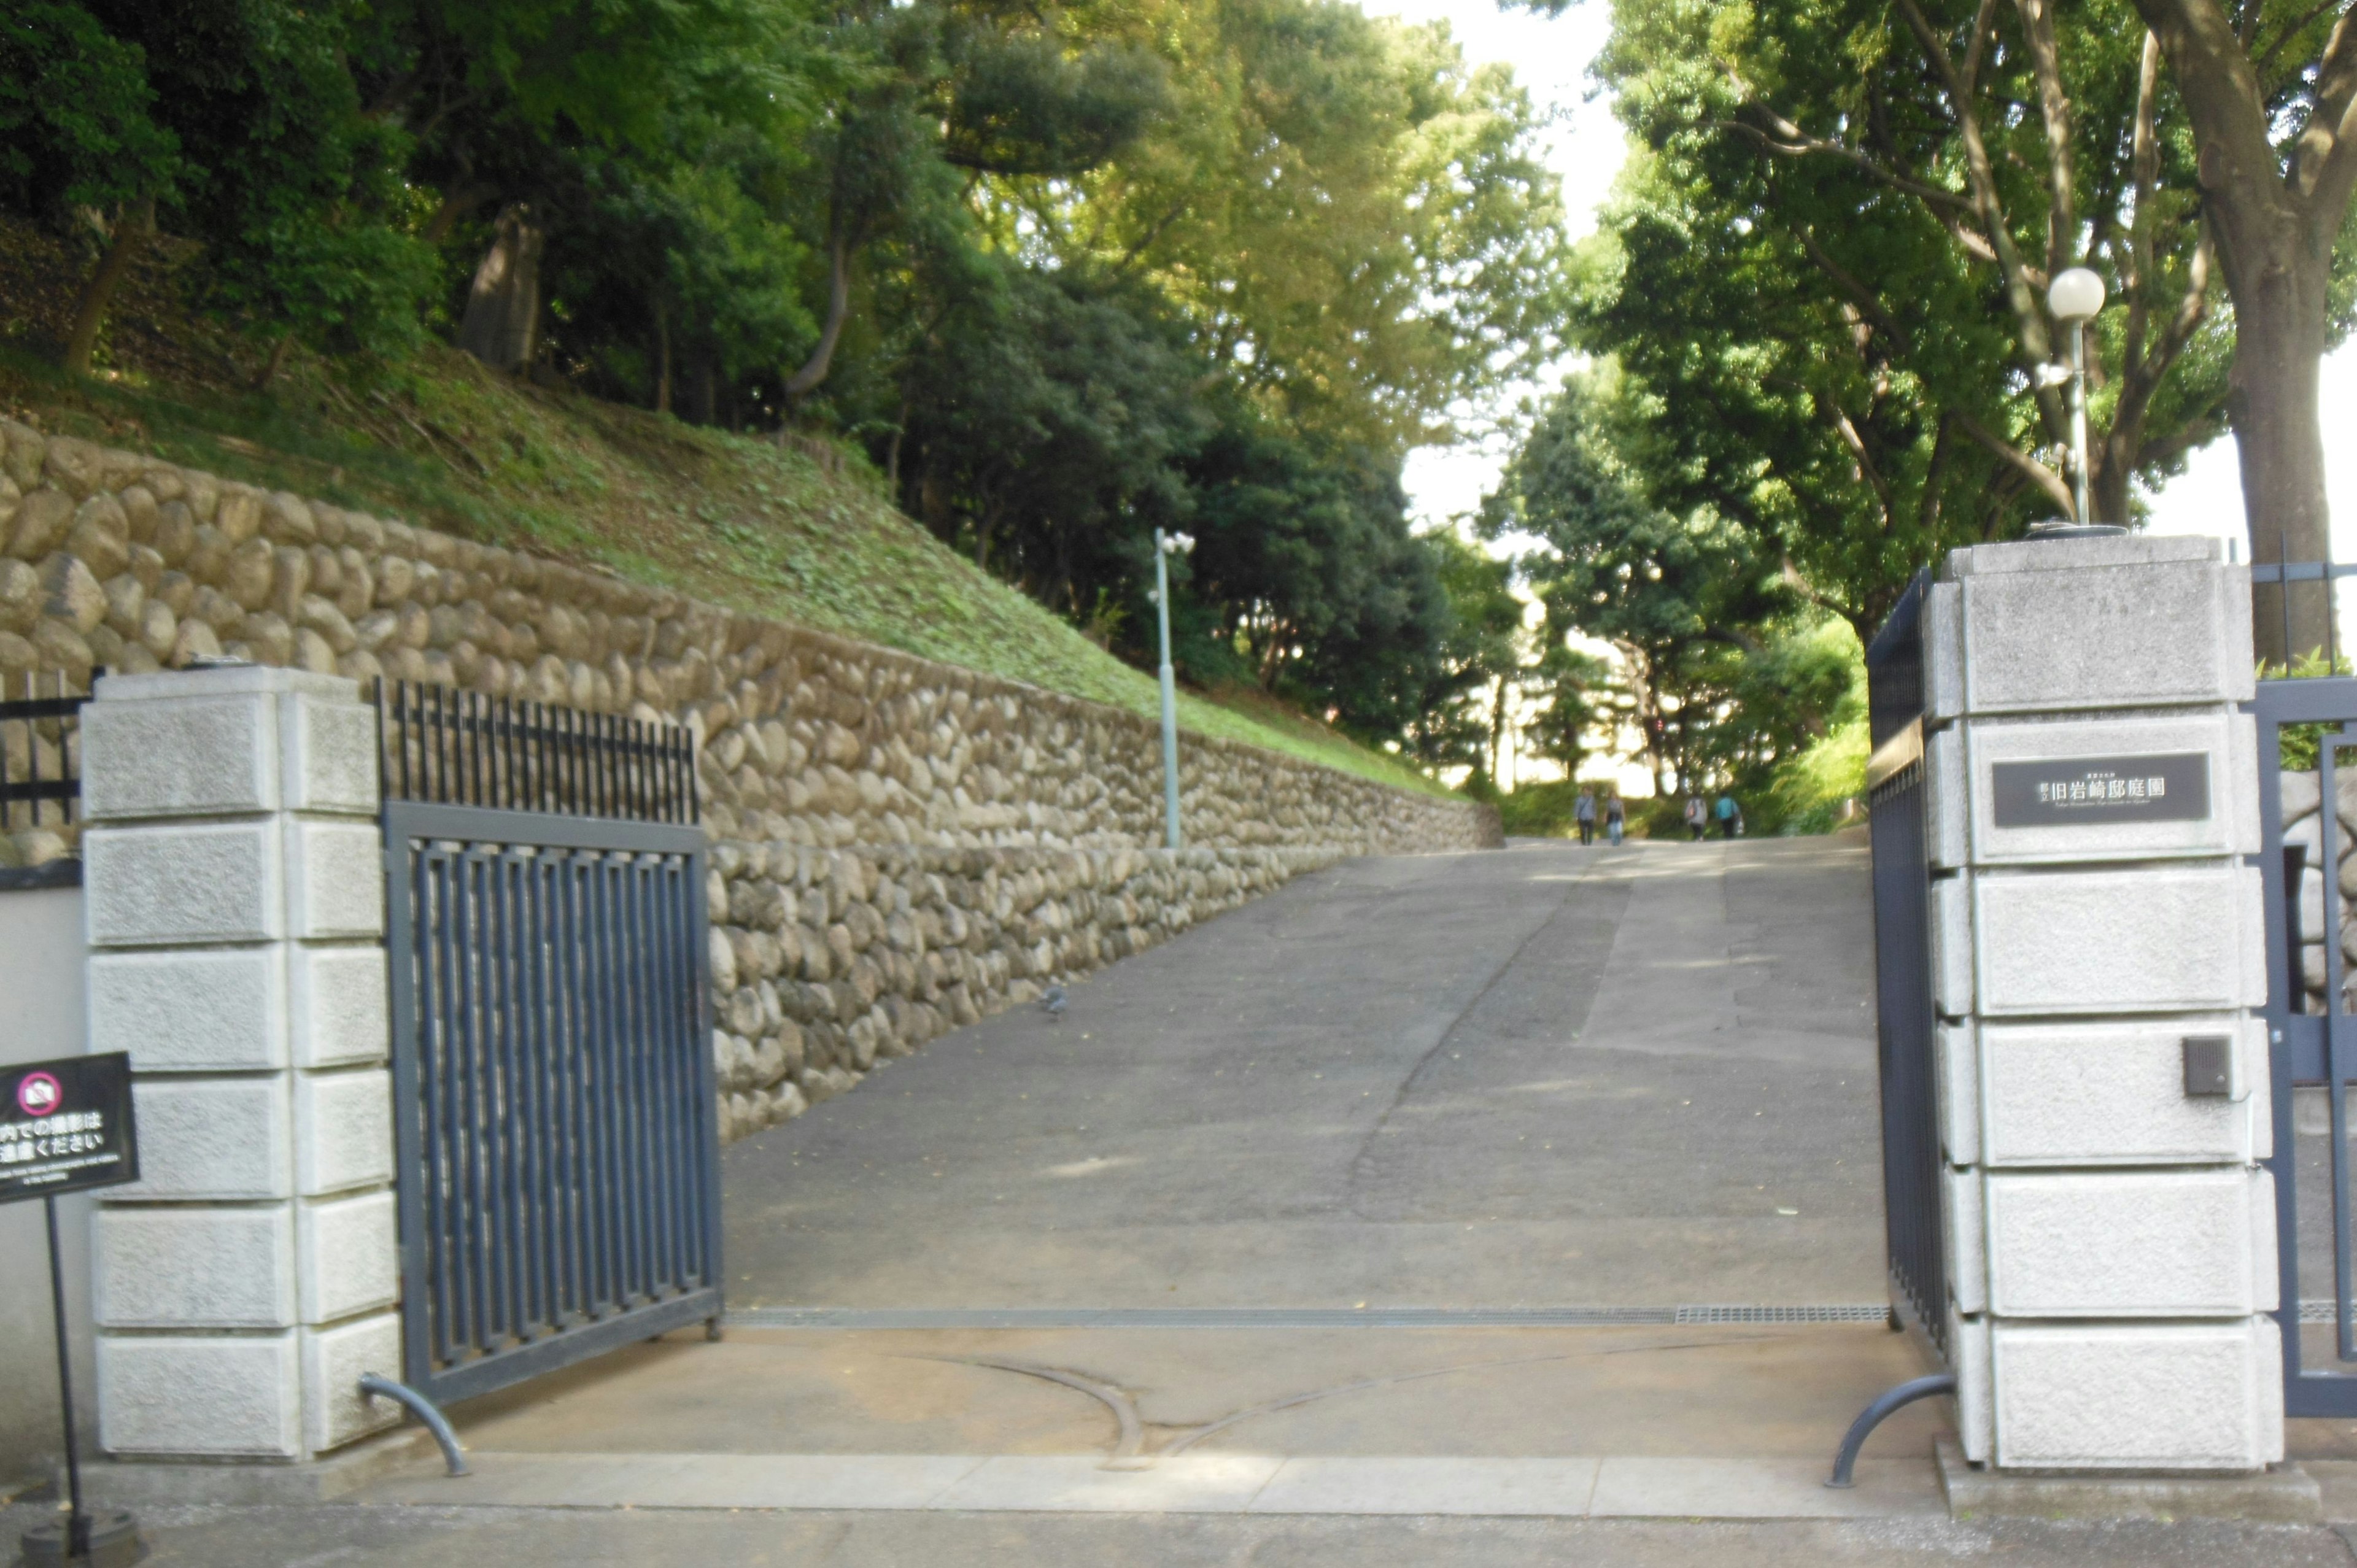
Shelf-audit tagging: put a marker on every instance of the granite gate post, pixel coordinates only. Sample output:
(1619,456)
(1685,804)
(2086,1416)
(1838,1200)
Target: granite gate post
(2098,955)
(234,885)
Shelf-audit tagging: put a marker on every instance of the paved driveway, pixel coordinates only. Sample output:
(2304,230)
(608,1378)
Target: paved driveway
(1222,1268)
(1547,1077)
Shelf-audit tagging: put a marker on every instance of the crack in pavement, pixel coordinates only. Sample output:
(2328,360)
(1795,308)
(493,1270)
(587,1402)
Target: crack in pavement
(1360,1177)
(1130,1452)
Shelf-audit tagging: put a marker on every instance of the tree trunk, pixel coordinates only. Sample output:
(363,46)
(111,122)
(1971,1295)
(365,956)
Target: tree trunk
(2279,338)
(501,327)
(133,229)
(277,362)
(456,205)
(2274,228)
(802,383)
(663,358)
(1497,730)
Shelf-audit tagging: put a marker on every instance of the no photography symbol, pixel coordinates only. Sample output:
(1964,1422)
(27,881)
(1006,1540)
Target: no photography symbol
(37,1094)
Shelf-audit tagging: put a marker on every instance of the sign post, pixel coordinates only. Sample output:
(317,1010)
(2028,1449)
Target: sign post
(66,1126)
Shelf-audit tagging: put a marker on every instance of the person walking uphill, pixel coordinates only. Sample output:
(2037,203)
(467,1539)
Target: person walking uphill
(1697,817)
(1582,810)
(1730,817)
(1616,816)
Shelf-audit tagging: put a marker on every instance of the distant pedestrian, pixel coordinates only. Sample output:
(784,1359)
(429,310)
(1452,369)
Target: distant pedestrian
(1730,816)
(1698,816)
(1616,816)
(1583,811)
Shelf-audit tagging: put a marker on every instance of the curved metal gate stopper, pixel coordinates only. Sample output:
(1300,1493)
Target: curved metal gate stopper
(422,1408)
(1874,1415)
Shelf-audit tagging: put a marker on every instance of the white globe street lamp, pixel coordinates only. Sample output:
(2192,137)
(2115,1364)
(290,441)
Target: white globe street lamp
(2075,296)
(1166,545)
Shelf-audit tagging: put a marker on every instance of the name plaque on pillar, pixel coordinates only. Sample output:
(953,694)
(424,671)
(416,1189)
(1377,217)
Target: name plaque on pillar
(2075,791)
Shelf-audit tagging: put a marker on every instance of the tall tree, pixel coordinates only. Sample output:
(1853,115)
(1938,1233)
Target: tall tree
(1684,598)
(2270,88)
(1829,262)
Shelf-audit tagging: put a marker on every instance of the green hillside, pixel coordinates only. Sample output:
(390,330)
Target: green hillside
(798,531)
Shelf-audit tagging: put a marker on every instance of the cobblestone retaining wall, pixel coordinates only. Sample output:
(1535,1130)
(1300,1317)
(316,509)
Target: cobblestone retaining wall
(945,798)
(825,961)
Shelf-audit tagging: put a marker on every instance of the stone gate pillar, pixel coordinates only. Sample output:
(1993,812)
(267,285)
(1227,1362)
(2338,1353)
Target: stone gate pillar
(2098,950)
(234,889)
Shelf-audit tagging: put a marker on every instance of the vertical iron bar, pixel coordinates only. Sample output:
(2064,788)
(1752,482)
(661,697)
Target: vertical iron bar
(648,1041)
(679,1030)
(615,929)
(677,1063)
(77,1520)
(582,1066)
(2336,1027)
(449,1158)
(532,1024)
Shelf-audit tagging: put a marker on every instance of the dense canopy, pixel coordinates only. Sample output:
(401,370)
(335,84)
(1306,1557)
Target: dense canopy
(1067,272)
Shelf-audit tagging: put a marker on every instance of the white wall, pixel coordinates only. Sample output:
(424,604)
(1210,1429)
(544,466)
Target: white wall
(40,1018)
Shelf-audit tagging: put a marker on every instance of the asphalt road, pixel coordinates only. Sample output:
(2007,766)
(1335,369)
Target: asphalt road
(1546,1077)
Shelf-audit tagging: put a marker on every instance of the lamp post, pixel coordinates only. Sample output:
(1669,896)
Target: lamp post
(1166,545)
(2074,297)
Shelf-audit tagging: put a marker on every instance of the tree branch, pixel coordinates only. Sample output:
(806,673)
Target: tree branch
(2267,60)
(1849,284)
(2193,432)
(2029,316)
(2144,376)
(2145,152)
(1839,422)
(2014,457)
(2325,167)
(1790,141)
(2055,106)
(2236,163)
(1927,504)
(1982,32)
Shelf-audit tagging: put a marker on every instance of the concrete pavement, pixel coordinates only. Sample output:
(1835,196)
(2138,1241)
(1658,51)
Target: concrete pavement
(1165,1256)
(1543,1077)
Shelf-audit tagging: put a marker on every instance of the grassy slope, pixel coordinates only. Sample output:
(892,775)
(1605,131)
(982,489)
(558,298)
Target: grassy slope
(802,532)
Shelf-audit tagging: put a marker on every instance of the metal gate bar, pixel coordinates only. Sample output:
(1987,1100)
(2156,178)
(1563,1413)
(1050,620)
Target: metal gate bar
(1905,1017)
(2308,1050)
(554,1089)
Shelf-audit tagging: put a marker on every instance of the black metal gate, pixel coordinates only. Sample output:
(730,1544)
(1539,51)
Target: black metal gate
(1906,1019)
(2304,726)
(553,1078)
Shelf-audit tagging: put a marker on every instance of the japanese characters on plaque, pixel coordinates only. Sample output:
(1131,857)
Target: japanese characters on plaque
(66,1125)
(2169,786)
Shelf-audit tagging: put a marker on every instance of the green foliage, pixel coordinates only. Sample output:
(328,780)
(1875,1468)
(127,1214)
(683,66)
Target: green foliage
(1831,307)
(1067,272)
(1480,657)
(1812,792)
(78,123)
(1540,811)
(1725,672)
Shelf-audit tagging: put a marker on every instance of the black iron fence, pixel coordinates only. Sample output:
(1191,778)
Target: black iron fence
(553,1086)
(2308,727)
(1906,1015)
(462,749)
(40,769)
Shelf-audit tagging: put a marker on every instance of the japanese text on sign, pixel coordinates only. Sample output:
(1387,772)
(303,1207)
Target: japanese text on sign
(2053,792)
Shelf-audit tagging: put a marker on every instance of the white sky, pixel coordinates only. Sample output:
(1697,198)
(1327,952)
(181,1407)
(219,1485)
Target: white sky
(1550,58)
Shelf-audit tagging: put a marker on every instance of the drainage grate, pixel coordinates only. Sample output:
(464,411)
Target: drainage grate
(1291,1316)
(1848,1311)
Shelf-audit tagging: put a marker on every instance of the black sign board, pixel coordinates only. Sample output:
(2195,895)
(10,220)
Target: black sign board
(2173,787)
(66,1125)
